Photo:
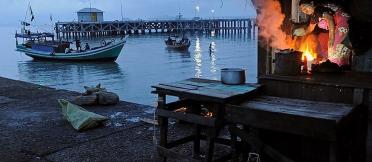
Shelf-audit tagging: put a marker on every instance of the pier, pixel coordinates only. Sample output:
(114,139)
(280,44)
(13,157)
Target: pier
(113,28)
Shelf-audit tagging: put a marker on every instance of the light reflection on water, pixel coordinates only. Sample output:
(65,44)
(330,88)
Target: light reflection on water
(144,61)
(197,58)
(212,53)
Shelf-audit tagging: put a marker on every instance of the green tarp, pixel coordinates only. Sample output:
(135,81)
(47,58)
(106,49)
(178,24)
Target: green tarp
(80,118)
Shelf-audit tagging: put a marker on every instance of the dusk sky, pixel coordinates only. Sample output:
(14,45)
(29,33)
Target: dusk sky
(65,10)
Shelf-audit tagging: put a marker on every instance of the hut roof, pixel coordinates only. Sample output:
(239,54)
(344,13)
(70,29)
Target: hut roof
(89,10)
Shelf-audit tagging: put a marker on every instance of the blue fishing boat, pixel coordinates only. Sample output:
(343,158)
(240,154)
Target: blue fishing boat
(43,46)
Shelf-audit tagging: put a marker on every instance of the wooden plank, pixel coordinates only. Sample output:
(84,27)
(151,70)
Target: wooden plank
(204,89)
(178,104)
(196,119)
(169,88)
(347,79)
(280,109)
(324,110)
(277,121)
(180,86)
(307,91)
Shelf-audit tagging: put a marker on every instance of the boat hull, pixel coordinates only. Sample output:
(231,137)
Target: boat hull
(178,46)
(108,53)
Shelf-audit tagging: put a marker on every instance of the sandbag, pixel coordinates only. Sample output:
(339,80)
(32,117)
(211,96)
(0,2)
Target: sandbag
(85,100)
(107,98)
(80,118)
(91,90)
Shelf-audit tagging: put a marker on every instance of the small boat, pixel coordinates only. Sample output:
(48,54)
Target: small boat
(182,44)
(43,46)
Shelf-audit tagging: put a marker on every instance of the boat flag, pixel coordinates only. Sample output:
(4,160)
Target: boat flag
(32,14)
(25,23)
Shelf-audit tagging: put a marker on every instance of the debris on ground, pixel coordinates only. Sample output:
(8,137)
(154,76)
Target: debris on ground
(96,95)
(80,118)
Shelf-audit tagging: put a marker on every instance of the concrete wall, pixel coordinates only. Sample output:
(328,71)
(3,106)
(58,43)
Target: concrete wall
(89,17)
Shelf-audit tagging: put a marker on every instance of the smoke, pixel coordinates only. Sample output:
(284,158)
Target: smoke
(270,19)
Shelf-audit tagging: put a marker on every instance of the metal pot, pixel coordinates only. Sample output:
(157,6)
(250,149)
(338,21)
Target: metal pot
(288,62)
(232,76)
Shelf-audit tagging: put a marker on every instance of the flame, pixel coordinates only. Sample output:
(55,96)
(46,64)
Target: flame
(308,46)
(310,55)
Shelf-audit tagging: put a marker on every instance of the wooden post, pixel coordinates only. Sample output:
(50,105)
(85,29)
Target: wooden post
(163,123)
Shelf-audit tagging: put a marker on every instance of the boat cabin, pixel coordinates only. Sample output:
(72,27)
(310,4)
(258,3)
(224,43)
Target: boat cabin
(42,42)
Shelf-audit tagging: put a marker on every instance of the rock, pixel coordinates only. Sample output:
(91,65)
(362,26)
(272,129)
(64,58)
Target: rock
(85,100)
(107,98)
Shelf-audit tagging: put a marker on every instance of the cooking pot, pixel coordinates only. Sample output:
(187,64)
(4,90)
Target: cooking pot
(232,76)
(288,62)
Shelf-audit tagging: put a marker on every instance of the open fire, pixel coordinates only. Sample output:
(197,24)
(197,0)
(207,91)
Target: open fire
(308,53)
(270,21)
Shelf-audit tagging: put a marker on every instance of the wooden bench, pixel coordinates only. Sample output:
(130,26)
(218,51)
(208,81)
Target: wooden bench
(336,123)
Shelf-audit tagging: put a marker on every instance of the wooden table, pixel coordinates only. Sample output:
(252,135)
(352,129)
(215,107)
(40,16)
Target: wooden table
(193,93)
(340,125)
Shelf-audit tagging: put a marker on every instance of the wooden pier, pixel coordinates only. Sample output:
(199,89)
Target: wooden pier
(111,28)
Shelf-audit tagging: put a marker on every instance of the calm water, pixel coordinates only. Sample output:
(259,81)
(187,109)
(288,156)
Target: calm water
(144,61)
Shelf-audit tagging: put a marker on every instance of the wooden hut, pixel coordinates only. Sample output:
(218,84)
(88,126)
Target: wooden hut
(351,87)
(90,15)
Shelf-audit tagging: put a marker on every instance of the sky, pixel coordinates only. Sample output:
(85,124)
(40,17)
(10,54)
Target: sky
(14,11)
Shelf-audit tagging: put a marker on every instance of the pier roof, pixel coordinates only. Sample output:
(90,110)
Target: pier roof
(88,10)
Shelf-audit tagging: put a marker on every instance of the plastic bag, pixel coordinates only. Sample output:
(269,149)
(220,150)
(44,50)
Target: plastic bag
(80,118)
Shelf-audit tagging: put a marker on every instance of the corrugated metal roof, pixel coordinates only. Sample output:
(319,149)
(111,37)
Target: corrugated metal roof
(89,10)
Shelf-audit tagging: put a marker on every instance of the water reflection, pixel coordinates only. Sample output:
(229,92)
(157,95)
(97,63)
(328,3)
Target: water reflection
(179,53)
(198,58)
(212,54)
(58,74)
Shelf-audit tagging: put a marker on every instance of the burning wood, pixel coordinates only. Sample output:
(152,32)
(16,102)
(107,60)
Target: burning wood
(325,67)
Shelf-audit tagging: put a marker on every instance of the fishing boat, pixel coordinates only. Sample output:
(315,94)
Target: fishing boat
(43,46)
(173,43)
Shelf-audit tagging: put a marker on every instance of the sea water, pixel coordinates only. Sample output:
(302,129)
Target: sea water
(144,61)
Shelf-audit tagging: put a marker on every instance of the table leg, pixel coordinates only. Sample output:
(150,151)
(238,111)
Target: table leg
(210,143)
(196,140)
(195,108)
(163,124)
(234,139)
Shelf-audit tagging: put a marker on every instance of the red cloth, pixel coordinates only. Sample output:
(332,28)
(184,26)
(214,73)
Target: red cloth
(340,55)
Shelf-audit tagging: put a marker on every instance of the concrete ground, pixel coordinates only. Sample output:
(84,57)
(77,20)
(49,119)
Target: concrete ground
(33,129)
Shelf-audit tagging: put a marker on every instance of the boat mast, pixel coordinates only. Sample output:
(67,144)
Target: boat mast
(121,10)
